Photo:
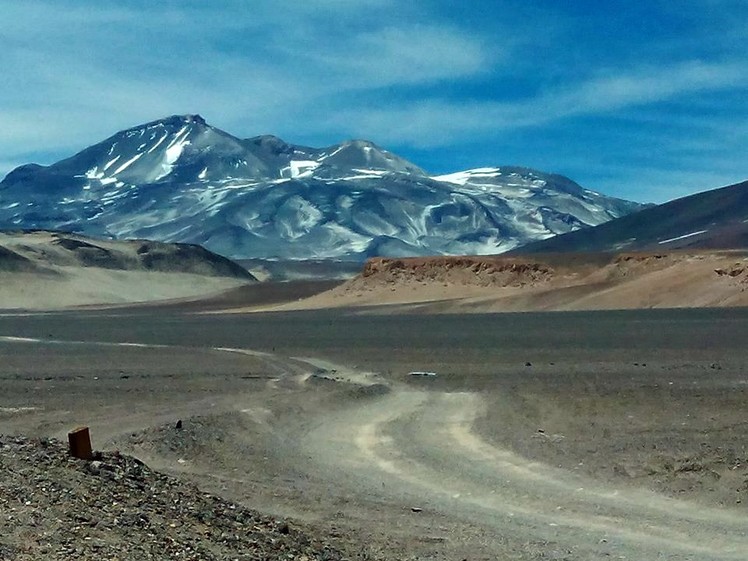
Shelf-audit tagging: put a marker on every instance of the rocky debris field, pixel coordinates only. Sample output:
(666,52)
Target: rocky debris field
(483,271)
(53,506)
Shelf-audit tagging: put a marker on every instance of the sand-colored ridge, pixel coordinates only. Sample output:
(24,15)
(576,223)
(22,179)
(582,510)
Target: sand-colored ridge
(55,270)
(678,279)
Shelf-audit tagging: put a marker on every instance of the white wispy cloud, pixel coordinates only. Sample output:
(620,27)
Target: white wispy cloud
(649,85)
(403,55)
(79,71)
(398,73)
(436,122)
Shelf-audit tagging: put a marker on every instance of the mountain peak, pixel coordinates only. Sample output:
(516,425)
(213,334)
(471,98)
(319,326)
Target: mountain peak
(174,149)
(270,144)
(364,154)
(179,179)
(187,118)
(172,121)
(360,143)
(267,139)
(197,118)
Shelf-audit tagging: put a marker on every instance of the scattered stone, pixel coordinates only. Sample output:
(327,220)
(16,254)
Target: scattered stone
(54,506)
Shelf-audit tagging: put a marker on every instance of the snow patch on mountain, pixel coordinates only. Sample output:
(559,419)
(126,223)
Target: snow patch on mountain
(684,236)
(299,168)
(468,176)
(155,146)
(127,164)
(172,153)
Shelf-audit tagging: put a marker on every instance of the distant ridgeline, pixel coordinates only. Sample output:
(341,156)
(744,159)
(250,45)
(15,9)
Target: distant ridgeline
(43,252)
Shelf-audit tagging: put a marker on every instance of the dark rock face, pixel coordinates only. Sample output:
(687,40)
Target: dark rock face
(12,262)
(181,180)
(716,219)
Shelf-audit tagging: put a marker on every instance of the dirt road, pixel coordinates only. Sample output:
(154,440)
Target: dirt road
(422,445)
(407,465)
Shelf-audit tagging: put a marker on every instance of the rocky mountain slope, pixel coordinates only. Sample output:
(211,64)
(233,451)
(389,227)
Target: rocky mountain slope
(716,219)
(182,180)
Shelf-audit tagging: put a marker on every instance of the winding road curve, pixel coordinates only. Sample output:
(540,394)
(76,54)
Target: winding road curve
(421,444)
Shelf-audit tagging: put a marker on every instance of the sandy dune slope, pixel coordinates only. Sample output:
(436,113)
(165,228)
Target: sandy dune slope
(48,270)
(546,282)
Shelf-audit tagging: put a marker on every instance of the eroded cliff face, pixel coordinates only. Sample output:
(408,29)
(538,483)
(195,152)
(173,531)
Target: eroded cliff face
(480,271)
(677,279)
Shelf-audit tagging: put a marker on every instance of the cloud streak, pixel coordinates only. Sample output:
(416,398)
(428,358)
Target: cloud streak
(411,76)
(436,122)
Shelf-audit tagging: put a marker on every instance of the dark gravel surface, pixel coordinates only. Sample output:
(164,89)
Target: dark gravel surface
(638,335)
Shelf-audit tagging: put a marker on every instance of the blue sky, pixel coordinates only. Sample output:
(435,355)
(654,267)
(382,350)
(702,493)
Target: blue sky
(641,100)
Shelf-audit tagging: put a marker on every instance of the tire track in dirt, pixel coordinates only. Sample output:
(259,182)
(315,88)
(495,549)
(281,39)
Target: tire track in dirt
(422,442)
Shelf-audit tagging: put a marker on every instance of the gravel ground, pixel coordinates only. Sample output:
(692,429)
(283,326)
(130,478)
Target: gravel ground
(53,506)
(575,436)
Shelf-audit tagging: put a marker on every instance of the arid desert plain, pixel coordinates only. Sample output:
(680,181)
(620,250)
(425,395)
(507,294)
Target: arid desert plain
(578,435)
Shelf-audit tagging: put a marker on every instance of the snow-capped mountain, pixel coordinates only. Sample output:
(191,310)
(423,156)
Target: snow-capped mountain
(182,180)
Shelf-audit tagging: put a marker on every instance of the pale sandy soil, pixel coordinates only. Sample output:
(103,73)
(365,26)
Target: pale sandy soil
(495,284)
(48,270)
(90,286)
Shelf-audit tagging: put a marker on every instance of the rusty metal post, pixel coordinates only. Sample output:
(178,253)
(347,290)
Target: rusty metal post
(79,441)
